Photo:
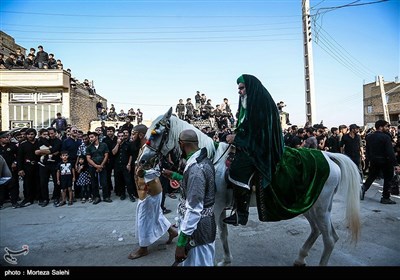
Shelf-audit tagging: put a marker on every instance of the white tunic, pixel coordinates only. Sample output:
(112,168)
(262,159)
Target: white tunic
(202,255)
(151,224)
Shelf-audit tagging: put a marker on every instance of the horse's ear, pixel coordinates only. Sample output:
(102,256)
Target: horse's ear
(166,116)
(169,113)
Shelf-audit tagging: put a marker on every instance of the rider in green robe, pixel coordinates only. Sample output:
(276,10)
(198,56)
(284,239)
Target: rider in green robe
(258,140)
(291,179)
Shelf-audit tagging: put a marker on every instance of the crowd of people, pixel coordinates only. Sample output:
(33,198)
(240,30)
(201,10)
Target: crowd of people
(110,114)
(39,60)
(203,109)
(342,139)
(82,165)
(79,164)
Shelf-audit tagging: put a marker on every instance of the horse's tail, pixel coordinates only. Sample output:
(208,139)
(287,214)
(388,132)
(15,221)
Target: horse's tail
(350,178)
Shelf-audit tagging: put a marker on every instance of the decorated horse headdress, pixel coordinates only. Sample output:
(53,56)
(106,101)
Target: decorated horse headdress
(163,135)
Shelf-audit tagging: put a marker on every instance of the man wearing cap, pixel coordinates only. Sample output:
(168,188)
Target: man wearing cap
(351,145)
(197,227)
(151,224)
(258,140)
(382,159)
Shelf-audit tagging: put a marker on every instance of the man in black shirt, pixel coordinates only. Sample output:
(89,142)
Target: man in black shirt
(351,145)
(333,141)
(111,141)
(42,58)
(60,122)
(180,109)
(380,154)
(9,63)
(97,157)
(122,166)
(28,167)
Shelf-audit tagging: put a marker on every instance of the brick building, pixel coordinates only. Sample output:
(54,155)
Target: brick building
(372,99)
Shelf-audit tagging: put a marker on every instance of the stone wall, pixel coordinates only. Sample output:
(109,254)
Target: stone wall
(8,45)
(83,108)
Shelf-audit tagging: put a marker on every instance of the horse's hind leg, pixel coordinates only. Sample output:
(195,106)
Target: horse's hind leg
(223,234)
(303,253)
(329,236)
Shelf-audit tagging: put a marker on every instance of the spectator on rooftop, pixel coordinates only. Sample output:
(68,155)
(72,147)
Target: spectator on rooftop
(9,63)
(20,57)
(42,58)
(52,63)
(29,62)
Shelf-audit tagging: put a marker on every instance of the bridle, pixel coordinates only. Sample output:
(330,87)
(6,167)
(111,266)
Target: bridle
(164,136)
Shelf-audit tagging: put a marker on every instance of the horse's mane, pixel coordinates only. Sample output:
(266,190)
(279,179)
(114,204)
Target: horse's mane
(176,127)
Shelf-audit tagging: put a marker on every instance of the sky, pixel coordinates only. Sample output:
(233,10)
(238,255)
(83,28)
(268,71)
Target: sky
(149,54)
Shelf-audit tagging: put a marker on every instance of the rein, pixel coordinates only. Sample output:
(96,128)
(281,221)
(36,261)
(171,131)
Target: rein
(227,149)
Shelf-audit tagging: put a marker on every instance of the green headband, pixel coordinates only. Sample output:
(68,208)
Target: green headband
(240,80)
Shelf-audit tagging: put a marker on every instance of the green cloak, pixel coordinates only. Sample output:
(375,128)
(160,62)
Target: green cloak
(291,179)
(260,133)
(296,185)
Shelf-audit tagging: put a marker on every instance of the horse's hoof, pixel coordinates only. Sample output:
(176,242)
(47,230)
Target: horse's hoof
(224,263)
(299,264)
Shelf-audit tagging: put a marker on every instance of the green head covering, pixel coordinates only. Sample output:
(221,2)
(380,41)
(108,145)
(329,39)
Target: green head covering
(260,132)
(240,80)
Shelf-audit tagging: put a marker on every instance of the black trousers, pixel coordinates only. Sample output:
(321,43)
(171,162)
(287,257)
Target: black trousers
(44,173)
(31,182)
(123,178)
(387,169)
(109,168)
(99,179)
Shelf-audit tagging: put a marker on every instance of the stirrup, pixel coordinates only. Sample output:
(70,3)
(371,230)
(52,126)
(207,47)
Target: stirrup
(233,219)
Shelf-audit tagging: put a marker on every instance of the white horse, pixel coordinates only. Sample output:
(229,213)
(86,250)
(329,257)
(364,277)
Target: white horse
(163,137)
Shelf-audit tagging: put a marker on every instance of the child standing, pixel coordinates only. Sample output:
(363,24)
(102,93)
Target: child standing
(83,181)
(65,178)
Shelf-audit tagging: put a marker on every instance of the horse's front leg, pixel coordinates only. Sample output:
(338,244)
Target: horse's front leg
(223,234)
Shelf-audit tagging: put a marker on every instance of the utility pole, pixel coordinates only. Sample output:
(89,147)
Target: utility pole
(308,64)
(386,115)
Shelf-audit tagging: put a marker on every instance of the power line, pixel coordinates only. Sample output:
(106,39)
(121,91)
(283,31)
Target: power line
(352,4)
(166,42)
(58,27)
(146,16)
(150,32)
(341,52)
(177,39)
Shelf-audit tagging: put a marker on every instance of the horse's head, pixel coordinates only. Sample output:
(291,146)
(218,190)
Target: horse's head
(158,142)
